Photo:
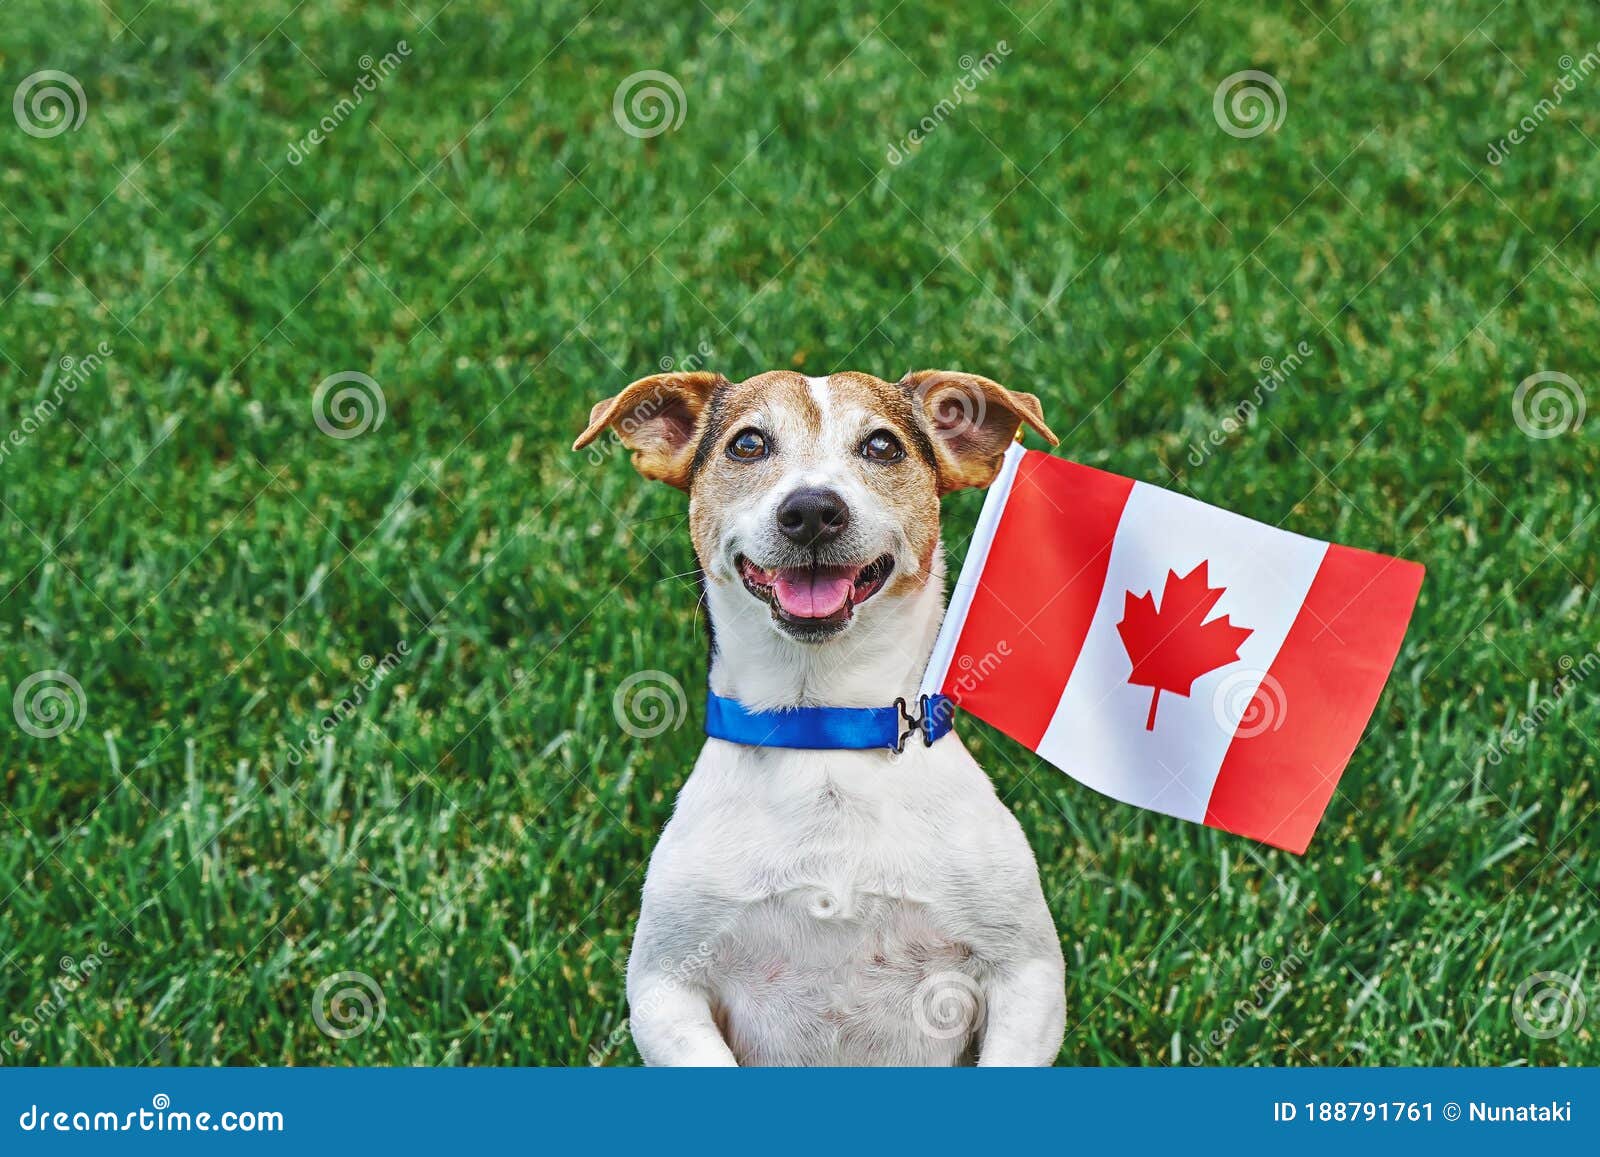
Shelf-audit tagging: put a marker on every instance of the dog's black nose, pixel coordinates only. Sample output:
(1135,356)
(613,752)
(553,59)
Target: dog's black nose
(813,517)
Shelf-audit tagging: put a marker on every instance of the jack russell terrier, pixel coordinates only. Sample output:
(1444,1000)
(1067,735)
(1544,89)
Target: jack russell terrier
(830,890)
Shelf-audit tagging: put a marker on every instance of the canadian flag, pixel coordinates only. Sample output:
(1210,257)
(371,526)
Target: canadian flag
(1168,653)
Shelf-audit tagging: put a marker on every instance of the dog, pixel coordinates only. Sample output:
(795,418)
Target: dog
(832,907)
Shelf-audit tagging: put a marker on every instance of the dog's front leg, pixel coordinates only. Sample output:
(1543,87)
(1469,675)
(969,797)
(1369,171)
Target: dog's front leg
(1026,1014)
(672,1023)
(669,1009)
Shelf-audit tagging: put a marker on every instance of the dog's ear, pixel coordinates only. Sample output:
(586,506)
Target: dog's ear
(658,418)
(973,421)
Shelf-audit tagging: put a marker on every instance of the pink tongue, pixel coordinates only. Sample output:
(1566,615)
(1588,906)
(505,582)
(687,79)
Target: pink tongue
(813,594)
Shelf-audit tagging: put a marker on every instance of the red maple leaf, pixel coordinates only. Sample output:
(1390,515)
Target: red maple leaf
(1173,646)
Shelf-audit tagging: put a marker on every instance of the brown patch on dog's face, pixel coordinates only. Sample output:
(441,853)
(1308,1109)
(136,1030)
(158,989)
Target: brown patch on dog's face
(819,496)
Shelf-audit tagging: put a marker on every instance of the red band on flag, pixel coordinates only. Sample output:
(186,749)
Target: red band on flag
(1321,689)
(1037,595)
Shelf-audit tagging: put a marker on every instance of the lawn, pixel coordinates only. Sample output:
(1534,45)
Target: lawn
(342,703)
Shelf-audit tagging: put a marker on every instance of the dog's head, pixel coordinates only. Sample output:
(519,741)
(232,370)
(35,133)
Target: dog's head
(820,496)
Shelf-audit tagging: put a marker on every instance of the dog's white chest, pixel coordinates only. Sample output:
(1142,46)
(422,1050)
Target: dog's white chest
(847,940)
(818,908)
(842,973)
(883,987)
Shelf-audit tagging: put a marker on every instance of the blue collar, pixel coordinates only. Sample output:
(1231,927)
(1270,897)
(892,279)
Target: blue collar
(829,728)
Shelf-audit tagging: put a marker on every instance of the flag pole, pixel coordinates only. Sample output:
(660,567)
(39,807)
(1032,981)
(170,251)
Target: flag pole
(955,616)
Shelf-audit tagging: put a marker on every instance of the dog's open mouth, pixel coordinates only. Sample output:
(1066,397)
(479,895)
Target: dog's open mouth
(815,599)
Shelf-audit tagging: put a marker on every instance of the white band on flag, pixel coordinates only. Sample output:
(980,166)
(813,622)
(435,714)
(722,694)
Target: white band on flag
(955,616)
(1098,734)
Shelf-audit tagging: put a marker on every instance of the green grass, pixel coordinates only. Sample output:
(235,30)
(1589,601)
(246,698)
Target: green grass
(484,241)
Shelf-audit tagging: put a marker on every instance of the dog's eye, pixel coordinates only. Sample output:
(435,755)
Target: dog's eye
(748,446)
(882,446)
